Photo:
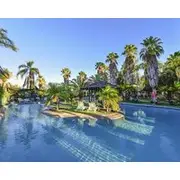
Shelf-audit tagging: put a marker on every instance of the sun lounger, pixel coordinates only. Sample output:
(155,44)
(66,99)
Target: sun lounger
(92,107)
(81,106)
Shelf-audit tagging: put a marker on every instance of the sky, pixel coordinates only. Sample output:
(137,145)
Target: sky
(79,43)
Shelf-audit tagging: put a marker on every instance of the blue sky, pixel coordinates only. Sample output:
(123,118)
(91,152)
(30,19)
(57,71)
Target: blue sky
(80,43)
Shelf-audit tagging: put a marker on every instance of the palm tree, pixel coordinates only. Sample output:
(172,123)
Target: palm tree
(77,85)
(167,81)
(41,82)
(59,92)
(113,71)
(5,86)
(110,98)
(94,78)
(29,72)
(66,74)
(82,76)
(102,70)
(53,94)
(173,61)
(129,71)
(151,51)
(5,41)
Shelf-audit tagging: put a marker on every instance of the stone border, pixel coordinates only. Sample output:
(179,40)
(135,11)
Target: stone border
(148,105)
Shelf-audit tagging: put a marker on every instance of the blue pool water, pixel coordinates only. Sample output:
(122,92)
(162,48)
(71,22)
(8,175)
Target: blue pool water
(147,134)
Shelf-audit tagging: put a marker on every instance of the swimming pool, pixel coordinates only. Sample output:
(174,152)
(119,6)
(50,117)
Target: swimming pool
(147,134)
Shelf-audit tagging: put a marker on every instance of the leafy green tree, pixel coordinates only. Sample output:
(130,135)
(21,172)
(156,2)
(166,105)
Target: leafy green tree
(77,84)
(53,94)
(110,98)
(5,86)
(29,72)
(167,83)
(151,51)
(169,76)
(113,71)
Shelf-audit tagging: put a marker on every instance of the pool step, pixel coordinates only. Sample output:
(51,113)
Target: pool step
(142,120)
(122,136)
(91,145)
(76,152)
(134,126)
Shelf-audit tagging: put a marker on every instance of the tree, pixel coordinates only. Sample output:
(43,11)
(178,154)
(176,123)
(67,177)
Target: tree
(5,86)
(110,98)
(169,76)
(29,72)
(113,71)
(53,94)
(5,41)
(58,92)
(129,67)
(102,70)
(167,81)
(41,82)
(94,78)
(173,62)
(82,76)
(77,85)
(66,74)
(151,51)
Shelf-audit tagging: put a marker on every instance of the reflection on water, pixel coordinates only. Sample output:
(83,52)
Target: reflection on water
(3,133)
(91,122)
(25,133)
(28,135)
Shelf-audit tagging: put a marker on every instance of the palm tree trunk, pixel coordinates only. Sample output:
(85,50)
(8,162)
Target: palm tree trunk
(113,73)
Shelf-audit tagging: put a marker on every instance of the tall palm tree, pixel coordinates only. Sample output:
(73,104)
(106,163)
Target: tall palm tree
(102,70)
(29,72)
(82,76)
(129,71)
(151,51)
(66,74)
(113,71)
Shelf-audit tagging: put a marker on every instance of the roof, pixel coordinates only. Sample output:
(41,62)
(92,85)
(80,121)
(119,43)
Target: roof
(98,84)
